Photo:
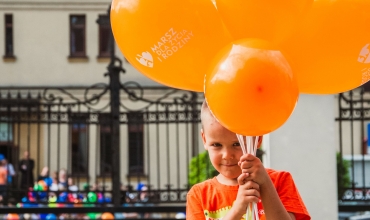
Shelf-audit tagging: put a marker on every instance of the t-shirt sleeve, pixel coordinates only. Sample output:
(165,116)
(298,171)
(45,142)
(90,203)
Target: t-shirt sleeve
(194,209)
(290,197)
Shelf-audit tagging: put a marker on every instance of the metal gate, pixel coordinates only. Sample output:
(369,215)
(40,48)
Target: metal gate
(353,159)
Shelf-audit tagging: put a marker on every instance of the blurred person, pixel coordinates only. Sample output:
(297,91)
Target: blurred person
(3,180)
(10,171)
(44,174)
(54,184)
(26,166)
(71,185)
(62,179)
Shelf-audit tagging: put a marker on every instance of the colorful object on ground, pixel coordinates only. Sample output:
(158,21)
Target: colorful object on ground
(38,187)
(264,19)
(12,216)
(251,88)
(92,197)
(43,185)
(48,181)
(330,53)
(107,215)
(51,216)
(171,42)
(93,215)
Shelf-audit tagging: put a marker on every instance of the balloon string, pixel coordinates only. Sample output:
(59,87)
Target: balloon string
(255,145)
(248,211)
(240,138)
(248,147)
(256,211)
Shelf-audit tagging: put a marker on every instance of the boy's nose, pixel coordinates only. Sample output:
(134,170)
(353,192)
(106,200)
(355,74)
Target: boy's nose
(227,154)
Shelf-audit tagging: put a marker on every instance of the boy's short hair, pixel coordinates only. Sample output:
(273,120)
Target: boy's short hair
(204,113)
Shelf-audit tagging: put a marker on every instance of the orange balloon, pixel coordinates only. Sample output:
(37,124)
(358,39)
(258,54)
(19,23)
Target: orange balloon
(271,20)
(12,216)
(250,88)
(330,53)
(107,215)
(171,42)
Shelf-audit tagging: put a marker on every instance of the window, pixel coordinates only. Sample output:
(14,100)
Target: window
(105,145)
(77,36)
(6,131)
(79,136)
(9,45)
(104,36)
(136,143)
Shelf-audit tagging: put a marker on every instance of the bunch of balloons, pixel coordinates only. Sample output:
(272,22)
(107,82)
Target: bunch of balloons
(63,199)
(251,58)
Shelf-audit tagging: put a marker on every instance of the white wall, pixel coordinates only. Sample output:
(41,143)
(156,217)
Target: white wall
(41,45)
(305,146)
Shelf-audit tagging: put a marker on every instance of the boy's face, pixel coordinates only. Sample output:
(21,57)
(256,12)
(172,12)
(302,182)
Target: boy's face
(223,148)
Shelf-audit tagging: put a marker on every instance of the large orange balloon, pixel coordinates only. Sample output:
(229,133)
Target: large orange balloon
(331,51)
(271,20)
(250,88)
(171,42)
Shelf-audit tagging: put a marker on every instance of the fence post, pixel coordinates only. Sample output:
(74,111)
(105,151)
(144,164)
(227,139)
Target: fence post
(114,70)
(195,124)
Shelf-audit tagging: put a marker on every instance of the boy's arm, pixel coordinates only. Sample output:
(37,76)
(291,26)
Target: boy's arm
(275,204)
(194,209)
(274,209)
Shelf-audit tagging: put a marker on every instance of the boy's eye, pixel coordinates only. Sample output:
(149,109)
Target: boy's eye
(216,145)
(236,144)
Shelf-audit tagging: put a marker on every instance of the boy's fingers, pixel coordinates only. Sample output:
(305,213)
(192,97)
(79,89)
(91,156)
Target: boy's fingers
(247,157)
(253,198)
(252,192)
(252,185)
(245,164)
(242,177)
(248,170)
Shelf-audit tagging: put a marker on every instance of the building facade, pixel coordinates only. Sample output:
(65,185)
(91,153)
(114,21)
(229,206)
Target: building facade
(56,50)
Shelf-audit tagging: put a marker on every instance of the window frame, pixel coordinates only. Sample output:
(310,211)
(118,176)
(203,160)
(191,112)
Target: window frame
(136,125)
(104,26)
(9,25)
(104,123)
(80,119)
(72,27)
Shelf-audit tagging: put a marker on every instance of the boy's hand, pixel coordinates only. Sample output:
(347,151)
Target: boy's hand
(248,193)
(253,168)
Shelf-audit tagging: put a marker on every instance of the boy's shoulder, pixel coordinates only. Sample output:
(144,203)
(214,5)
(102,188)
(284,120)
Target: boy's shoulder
(204,184)
(212,185)
(280,177)
(276,173)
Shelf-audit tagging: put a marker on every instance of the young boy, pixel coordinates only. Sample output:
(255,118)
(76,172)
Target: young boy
(242,180)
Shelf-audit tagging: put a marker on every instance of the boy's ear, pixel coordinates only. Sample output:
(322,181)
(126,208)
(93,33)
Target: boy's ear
(203,138)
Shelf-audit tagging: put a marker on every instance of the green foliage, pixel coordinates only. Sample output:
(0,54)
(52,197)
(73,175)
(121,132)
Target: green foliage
(200,169)
(343,178)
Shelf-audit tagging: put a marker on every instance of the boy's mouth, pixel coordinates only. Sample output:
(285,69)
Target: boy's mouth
(229,165)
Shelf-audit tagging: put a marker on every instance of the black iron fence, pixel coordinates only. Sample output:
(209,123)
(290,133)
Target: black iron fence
(60,144)
(111,147)
(353,159)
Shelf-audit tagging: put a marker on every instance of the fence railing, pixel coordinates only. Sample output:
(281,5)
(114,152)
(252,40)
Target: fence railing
(59,144)
(354,152)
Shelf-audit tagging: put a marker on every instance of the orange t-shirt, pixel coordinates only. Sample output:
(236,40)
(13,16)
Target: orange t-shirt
(3,176)
(211,200)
